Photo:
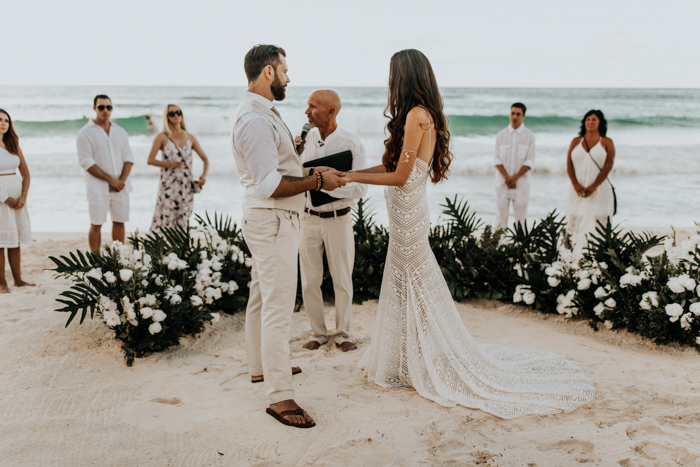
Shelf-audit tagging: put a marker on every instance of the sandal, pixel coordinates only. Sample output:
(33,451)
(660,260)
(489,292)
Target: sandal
(280,417)
(262,380)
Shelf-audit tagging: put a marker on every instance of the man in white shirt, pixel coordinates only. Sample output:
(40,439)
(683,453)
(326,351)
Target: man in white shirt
(275,195)
(329,226)
(104,153)
(514,157)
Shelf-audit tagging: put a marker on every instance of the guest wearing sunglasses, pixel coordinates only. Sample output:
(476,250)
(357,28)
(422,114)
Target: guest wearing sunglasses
(177,183)
(104,153)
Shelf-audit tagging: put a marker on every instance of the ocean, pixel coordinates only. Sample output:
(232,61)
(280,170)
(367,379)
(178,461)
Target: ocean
(656,133)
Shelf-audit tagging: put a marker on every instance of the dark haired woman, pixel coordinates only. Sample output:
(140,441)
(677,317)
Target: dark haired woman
(589,162)
(177,184)
(15,227)
(419,339)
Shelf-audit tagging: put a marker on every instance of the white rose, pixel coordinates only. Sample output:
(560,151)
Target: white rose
(203,255)
(644,304)
(584,284)
(686,321)
(583,274)
(146,312)
(110,277)
(675,285)
(155,328)
(553,281)
(175,299)
(610,302)
(178,288)
(695,308)
(126,274)
(112,319)
(550,271)
(159,281)
(697,340)
(674,310)
(687,282)
(517,297)
(249,262)
(600,293)
(599,309)
(232,286)
(144,283)
(159,315)
(529,297)
(603,265)
(196,301)
(172,265)
(215,317)
(95,273)
(609,324)
(654,298)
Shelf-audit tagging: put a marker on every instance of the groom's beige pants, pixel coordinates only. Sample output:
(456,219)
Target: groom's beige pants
(272,236)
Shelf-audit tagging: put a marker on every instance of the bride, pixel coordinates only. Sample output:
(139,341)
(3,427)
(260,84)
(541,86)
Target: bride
(419,339)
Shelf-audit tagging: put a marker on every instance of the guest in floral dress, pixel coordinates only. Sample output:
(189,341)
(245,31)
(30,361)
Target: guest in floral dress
(177,183)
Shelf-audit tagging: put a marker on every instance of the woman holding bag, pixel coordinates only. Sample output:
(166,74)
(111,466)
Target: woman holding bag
(177,184)
(589,162)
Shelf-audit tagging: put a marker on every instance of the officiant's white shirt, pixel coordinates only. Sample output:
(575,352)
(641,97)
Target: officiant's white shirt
(514,149)
(338,141)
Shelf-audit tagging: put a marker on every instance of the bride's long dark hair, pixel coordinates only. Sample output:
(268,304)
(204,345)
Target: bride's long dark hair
(412,83)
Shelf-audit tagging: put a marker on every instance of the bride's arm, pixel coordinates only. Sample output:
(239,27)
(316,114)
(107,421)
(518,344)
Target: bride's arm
(417,123)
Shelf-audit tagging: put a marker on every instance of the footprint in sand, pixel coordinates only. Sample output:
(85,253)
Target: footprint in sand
(361,452)
(569,445)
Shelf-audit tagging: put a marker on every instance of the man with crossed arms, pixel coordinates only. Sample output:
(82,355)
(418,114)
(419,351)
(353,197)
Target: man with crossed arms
(329,226)
(275,186)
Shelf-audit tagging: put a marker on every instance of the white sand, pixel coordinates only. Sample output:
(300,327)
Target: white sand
(67,398)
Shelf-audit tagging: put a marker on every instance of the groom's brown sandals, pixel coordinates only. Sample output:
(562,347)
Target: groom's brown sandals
(295,371)
(299,411)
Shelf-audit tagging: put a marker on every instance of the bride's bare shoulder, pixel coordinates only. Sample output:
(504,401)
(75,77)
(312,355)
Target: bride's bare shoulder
(418,116)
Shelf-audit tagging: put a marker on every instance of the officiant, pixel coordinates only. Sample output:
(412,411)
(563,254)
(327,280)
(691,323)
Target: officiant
(328,227)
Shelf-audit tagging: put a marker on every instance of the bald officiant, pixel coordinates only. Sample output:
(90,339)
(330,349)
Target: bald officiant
(328,227)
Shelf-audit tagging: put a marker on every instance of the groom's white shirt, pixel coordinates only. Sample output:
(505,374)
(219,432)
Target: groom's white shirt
(257,140)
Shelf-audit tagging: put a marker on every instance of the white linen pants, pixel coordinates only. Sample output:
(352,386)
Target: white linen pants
(336,236)
(272,235)
(520,197)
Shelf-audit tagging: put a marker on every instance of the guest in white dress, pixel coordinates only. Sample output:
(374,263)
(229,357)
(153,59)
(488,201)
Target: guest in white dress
(15,227)
(177,184)
(589,162)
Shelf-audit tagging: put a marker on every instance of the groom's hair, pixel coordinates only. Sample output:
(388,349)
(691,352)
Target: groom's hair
(259,57)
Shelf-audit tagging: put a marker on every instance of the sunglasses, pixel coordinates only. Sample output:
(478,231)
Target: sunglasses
(102,107)
(172,113)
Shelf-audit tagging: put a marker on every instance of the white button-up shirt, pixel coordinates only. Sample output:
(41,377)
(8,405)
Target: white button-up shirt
(338,141)
(258,141)
(514,149)
(108,152)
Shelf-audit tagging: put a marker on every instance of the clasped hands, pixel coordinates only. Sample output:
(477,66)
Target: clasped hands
(332,178)
(16,203)
(585,192)
(116,185)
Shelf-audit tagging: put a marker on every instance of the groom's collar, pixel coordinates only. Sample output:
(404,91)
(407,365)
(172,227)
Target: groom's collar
(251,96)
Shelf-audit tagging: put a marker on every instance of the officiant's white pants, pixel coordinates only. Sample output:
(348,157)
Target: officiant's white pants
(335,235)
(520,197)
(272,236)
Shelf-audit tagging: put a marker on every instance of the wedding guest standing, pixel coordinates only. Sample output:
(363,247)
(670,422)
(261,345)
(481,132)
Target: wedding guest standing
(589,162)
(514,157)
(177,183)
(15,227)
(329,226)
(105,155)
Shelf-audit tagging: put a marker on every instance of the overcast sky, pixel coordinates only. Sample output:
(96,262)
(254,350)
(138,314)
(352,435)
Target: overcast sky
(529,43)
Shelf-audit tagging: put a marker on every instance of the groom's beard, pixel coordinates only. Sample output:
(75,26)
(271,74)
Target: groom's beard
(278,89)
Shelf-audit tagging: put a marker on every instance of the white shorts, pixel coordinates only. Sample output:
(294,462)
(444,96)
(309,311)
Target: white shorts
(117,204)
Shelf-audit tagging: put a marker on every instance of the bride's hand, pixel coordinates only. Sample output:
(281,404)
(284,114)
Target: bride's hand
(347,176)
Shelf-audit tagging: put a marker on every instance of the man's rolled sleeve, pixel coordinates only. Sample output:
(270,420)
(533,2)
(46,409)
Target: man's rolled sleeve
(84,152)
(128,155)
(496,154)
(256,142)
(530,158)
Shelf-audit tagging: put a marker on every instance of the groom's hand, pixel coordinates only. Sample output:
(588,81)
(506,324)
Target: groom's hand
(332,179)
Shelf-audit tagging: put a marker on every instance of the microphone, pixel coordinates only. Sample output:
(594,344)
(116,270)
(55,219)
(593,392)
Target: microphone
(304,131)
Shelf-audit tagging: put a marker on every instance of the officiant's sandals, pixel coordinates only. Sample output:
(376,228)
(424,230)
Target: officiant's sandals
(299,411)
(295,371)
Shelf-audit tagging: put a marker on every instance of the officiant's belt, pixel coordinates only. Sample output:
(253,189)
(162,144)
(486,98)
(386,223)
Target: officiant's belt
(327,214)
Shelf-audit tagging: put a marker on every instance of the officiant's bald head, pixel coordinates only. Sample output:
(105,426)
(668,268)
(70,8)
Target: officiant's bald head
(323,108)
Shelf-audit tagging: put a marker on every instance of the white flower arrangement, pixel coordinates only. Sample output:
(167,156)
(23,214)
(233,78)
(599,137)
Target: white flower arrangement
(674,311)
(649,300)
(566,305)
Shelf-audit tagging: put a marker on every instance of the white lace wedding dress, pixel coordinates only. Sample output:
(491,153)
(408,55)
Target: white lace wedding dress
(419,339)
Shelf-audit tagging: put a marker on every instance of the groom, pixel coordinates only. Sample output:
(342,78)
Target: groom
(275,195)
